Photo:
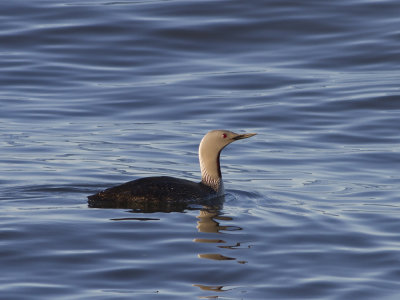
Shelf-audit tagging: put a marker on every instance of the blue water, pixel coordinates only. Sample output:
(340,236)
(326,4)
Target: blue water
(97,93)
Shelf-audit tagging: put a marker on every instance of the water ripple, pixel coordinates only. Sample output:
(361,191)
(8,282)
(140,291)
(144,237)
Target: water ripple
(97,93)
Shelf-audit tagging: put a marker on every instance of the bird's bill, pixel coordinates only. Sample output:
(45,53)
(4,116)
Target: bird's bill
(244,136)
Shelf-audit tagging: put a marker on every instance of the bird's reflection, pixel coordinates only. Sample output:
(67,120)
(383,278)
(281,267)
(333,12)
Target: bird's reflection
(207,220)
(210,221)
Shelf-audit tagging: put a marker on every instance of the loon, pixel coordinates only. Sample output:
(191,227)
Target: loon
(164,190)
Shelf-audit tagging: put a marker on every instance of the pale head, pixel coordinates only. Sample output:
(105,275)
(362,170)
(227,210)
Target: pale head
(209,150)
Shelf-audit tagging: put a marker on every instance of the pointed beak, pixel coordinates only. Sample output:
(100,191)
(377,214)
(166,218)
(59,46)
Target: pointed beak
(243,136)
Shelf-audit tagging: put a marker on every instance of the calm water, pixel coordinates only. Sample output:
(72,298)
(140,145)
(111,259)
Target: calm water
(96,93)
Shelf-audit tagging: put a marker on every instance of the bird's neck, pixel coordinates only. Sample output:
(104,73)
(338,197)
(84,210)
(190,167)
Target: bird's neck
(210,169)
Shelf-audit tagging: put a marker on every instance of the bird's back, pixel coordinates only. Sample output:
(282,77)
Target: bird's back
(152,191)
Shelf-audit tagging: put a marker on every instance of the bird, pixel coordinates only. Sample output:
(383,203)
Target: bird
(164,192)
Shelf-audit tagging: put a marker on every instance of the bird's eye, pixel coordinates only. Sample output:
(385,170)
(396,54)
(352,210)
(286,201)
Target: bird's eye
(224,135)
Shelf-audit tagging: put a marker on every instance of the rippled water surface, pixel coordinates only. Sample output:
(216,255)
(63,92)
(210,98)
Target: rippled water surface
(96,93)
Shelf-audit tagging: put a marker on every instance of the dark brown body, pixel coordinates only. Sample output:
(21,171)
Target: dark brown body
(154,193)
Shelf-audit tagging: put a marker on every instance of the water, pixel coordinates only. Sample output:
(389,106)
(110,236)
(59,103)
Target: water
(97,93)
